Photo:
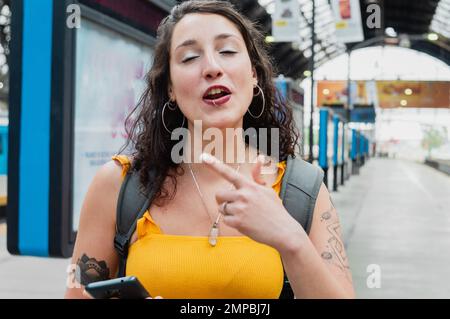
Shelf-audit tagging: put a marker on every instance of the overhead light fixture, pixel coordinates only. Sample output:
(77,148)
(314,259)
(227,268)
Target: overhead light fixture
(307,53)
(326,91)
(432,36)
(403,103)
(408,91)
(389,31)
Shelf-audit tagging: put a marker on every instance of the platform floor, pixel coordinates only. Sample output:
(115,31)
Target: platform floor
(395,214)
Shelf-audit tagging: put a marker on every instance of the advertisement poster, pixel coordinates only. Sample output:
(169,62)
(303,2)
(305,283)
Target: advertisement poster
(110,70)
(331,93)
(286,21)
(429,94)
(386,94)
(347,17)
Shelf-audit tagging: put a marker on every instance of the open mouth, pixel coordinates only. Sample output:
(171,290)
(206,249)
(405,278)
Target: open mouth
(216,93)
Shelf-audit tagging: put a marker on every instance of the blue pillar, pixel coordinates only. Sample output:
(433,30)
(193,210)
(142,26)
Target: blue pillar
(353,148)
(343,155)
(35,127)
(335,150)
(3,149)
(354,151)
(282,87)
(323,143)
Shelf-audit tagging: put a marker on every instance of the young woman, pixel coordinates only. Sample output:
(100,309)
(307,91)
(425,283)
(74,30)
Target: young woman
(211,66)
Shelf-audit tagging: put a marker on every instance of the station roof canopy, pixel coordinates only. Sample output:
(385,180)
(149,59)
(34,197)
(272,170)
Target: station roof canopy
(412,21)
(421,25)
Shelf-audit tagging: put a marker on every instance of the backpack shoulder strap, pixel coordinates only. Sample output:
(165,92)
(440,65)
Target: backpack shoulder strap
(131,205)
(299,190)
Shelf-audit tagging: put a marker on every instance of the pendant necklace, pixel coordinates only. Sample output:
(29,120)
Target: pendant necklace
(214,231)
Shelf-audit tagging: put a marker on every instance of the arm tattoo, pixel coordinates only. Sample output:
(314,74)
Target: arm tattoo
(90,270)
(335,251)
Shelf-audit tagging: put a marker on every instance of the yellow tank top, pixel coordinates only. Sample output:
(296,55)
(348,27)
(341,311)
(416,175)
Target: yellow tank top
(187,267)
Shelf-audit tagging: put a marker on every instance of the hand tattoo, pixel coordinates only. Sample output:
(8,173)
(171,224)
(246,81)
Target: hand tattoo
(90,270)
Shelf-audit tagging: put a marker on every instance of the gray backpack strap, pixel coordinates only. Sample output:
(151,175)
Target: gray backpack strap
(299,190)
(131,205)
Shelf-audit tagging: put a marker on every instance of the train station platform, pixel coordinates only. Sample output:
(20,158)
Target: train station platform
(395,215)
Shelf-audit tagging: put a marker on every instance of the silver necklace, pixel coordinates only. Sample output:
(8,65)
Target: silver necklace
(214,231)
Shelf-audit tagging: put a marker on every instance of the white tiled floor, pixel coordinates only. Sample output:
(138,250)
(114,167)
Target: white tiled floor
(396,214)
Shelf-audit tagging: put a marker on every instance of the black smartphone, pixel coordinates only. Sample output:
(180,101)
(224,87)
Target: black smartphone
(122,288)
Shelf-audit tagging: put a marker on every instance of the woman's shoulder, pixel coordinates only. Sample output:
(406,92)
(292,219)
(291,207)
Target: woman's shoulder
(121,161)
(109,177)
(104,189)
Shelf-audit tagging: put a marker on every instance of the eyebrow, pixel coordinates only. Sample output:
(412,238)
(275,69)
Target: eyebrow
(190,42)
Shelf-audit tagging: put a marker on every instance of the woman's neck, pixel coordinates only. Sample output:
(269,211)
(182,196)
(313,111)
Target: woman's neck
(226,144)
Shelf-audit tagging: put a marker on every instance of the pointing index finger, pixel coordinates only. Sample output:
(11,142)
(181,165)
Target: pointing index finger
(225,171)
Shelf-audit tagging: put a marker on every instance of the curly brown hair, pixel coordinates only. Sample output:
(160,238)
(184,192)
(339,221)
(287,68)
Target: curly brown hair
(150,141)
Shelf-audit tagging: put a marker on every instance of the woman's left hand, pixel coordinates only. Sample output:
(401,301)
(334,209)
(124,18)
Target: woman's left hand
(254,209)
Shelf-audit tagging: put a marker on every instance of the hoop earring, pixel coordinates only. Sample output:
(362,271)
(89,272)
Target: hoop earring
(260,91)
(170,107)
(162,115)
